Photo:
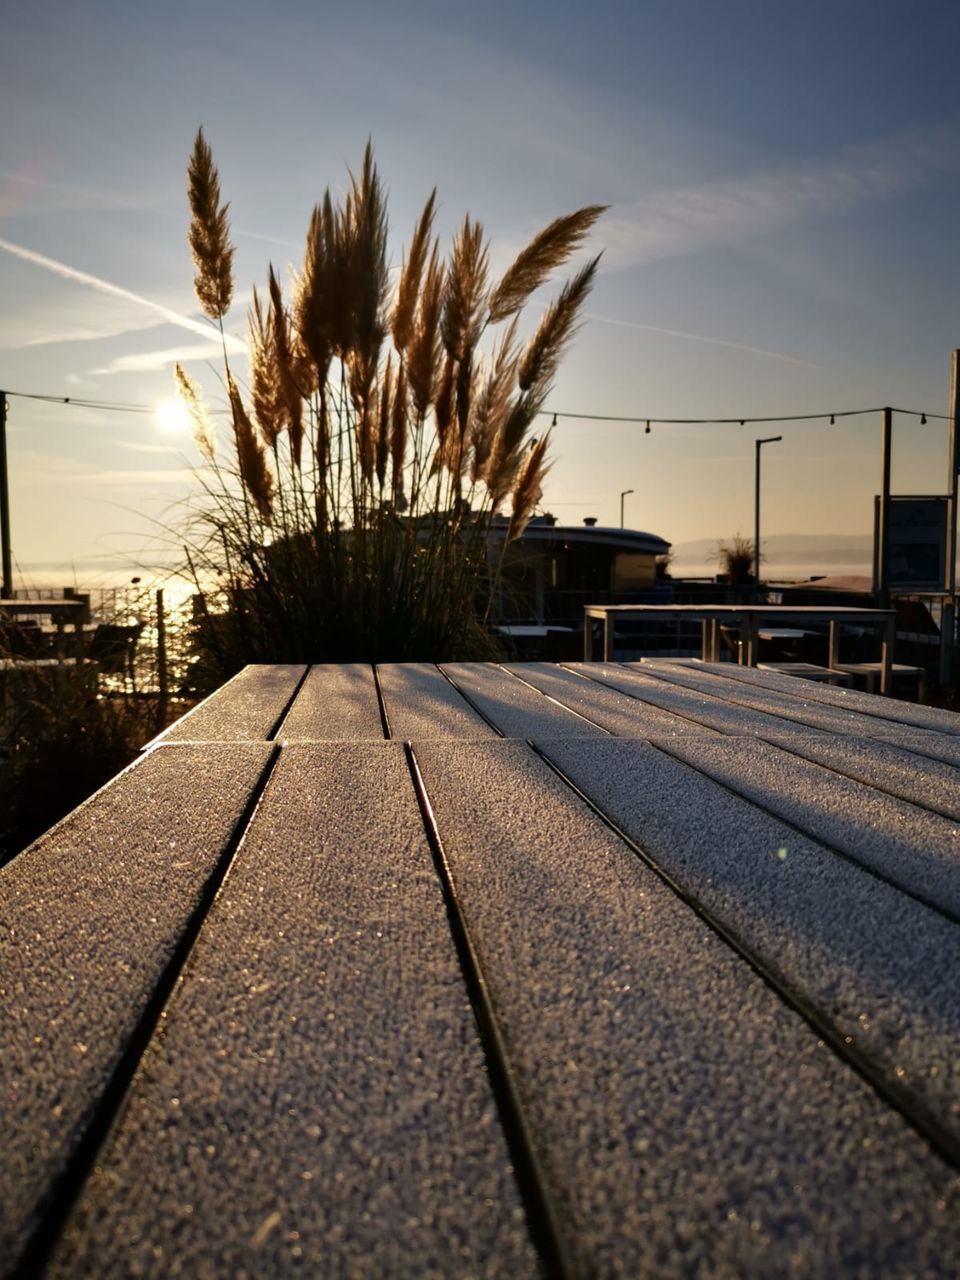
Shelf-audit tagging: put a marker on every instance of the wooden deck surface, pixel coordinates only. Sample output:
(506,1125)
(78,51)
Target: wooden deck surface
(584,970)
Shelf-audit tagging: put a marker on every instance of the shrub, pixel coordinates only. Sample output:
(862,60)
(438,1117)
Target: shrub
(59,741)
(736,559)
(377,437)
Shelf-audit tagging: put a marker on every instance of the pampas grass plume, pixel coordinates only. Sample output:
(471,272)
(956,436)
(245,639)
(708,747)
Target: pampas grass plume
(254,471)
(410,277)
(544,254)
(528,489)
(209,233)
(203,431)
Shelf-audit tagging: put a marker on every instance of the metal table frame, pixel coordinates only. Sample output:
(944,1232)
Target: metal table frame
(749,619)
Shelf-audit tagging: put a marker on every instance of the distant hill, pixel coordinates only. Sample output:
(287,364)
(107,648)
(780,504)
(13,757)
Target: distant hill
(803,553)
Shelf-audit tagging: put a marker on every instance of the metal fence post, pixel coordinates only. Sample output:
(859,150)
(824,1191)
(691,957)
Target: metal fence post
(948,664)
(161,659)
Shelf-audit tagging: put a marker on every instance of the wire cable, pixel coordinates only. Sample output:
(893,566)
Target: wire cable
(649,419)
(652,419)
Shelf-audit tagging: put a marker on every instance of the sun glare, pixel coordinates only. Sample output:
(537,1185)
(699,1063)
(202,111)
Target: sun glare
(172,415)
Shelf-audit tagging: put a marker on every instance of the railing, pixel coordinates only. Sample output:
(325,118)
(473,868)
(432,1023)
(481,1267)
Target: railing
(140,636)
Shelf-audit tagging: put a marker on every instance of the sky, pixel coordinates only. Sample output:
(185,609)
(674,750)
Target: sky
(783,183)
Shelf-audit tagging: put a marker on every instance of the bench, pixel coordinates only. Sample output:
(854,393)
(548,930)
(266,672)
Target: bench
(873,671)
(807,671)
(582,969)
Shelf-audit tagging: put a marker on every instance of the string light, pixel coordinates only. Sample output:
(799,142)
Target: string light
(555,414)
(106,406)
(923,415)
(78,403)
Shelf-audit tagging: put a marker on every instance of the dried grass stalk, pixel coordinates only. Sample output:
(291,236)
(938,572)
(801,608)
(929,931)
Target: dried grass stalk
(425,351)
(398,434)
(366,246)
(365,425)
(315,291)
(411,275)
(203,431)
(443,404)
(542,356)
(468,378)
(493,402)
(543,255)
(265,391)
(255,474)
(465,292)
(283,354)
(535,373)
(383,423)
(506,450)
(209,233)
(339,248)
(528,489)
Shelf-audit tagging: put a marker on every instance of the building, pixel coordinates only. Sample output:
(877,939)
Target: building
(553,570)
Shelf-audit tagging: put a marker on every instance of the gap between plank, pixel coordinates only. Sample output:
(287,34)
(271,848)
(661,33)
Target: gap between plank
(542,1215)
(287,707)
(66,1188)
(920,1118)
(381,703)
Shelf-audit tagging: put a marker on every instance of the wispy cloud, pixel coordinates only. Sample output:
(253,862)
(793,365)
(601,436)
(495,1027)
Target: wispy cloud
(50,323)
(154,361)
(70,318)
(76,197)
(19,184)
(135,446)
(700,337)
(690,219)
(51,473)
(105,286)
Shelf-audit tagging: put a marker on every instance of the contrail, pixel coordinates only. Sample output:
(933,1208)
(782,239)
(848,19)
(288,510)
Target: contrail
(699,337)
(111,200)
(83,277)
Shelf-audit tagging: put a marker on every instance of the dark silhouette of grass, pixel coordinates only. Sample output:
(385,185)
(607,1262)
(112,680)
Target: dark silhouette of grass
(61,741)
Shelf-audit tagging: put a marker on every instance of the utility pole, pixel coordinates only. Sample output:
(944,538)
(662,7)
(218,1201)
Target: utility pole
(6,587)
(756,508)
(883,532)
(948,614)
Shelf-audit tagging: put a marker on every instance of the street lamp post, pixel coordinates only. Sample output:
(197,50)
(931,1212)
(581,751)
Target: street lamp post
(622,496)
(6,589)
(756,509)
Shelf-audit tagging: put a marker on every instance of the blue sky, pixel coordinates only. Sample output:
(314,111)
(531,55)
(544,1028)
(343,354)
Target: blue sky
(783,182)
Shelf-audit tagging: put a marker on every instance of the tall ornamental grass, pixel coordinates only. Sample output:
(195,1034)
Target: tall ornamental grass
(376,434)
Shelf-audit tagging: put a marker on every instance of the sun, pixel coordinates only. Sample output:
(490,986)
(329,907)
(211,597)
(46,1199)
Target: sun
(172,415)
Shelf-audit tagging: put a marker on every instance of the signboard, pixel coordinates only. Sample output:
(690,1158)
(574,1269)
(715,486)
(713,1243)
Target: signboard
(917,543)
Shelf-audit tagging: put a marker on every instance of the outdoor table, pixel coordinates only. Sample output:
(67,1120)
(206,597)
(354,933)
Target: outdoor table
(62,612)
(645,969)
(782,633)
(749,619)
